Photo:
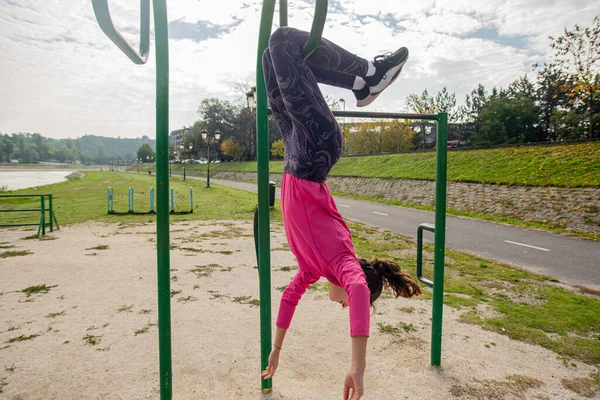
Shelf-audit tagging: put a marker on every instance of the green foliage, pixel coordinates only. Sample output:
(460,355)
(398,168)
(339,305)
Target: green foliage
(577,57)
(277,148)
(146,154)
(233,148)
(573,165)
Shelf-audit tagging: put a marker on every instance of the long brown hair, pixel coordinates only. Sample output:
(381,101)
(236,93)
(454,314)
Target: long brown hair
(383,274)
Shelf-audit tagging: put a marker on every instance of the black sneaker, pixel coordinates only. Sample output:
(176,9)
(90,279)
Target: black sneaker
(362,96)
(387,69)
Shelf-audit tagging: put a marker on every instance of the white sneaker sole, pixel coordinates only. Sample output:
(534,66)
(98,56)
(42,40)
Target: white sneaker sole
(371,98)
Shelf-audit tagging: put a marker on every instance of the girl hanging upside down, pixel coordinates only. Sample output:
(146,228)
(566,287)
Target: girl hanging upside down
(315,230)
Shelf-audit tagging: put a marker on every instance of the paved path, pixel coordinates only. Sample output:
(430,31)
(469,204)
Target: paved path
(571,260)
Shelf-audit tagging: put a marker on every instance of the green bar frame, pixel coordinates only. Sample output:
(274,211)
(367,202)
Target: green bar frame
(161,32)
(439,239)
(263,229)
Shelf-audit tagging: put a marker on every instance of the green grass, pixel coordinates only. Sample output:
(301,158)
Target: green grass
(8,254)
(37,289)
(85,199)
(22,338)
(523,306)
(573,165)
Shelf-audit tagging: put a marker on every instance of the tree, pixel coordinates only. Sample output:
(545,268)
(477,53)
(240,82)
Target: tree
(551,99)
(506,119)
(422,104)
(145,153)
(379,136)
(233,148)
(277,149)
(577,56)
(101,156)
(31,156)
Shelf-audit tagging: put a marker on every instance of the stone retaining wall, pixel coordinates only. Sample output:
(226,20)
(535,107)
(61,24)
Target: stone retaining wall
(573,208)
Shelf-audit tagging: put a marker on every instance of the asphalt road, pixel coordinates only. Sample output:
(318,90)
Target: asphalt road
(571,260)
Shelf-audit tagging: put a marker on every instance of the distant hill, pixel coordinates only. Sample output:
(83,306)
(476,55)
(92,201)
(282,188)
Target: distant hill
(31,148)
(113,147)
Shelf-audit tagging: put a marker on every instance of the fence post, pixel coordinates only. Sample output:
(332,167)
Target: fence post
(172,200)
(151,199)
(43,215)
(51,212)
(191,200)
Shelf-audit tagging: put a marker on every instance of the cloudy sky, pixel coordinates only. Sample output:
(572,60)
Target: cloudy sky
(61,77)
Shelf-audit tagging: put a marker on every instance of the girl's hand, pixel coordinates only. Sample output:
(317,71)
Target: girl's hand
(353,385)
(273,363)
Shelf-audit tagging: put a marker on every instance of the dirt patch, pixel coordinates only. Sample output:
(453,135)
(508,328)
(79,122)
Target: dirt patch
(94,335)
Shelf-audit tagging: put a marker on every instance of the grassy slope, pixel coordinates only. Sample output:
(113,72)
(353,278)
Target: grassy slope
(576,165)
(85,199)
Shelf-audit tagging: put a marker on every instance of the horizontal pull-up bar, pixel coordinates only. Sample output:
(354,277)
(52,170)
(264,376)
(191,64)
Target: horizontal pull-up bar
(363,114)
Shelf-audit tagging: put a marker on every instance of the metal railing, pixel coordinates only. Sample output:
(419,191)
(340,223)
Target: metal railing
(43,222)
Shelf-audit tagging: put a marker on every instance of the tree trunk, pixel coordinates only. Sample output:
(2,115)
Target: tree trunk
(591,114)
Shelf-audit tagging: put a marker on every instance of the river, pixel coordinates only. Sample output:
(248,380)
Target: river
(23,179)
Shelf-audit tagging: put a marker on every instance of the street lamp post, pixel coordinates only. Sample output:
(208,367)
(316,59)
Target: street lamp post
(171,163)
(343,125)
(182,147)
(210,139)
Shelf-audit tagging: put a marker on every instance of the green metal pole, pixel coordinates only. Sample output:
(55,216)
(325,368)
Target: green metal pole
(43,215)
(262,151)
(283,12)
(161,30)
(51,212)
(439,239)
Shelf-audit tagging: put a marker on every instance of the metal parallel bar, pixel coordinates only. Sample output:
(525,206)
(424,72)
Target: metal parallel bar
(50,213)
(363,114)
(104,20)
(422,227)
(22,210)
(23,195)
(316,31)
(37,224)
(161,29)
(262,151)
(439,240)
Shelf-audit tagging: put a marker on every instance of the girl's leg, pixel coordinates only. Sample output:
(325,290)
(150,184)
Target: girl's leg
(331,64)
(280,113)
(315,142)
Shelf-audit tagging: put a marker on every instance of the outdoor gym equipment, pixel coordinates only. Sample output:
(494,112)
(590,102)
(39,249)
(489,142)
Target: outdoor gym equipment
(130,203)
(262,229)
(162,172)
(42,223)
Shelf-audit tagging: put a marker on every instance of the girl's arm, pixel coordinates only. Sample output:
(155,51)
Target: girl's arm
(353,383)
(274,357)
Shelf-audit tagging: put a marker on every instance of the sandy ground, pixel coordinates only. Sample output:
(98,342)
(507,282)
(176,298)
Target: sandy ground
(110,296)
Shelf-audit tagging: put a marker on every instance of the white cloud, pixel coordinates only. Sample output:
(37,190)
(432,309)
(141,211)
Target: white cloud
(60,76)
